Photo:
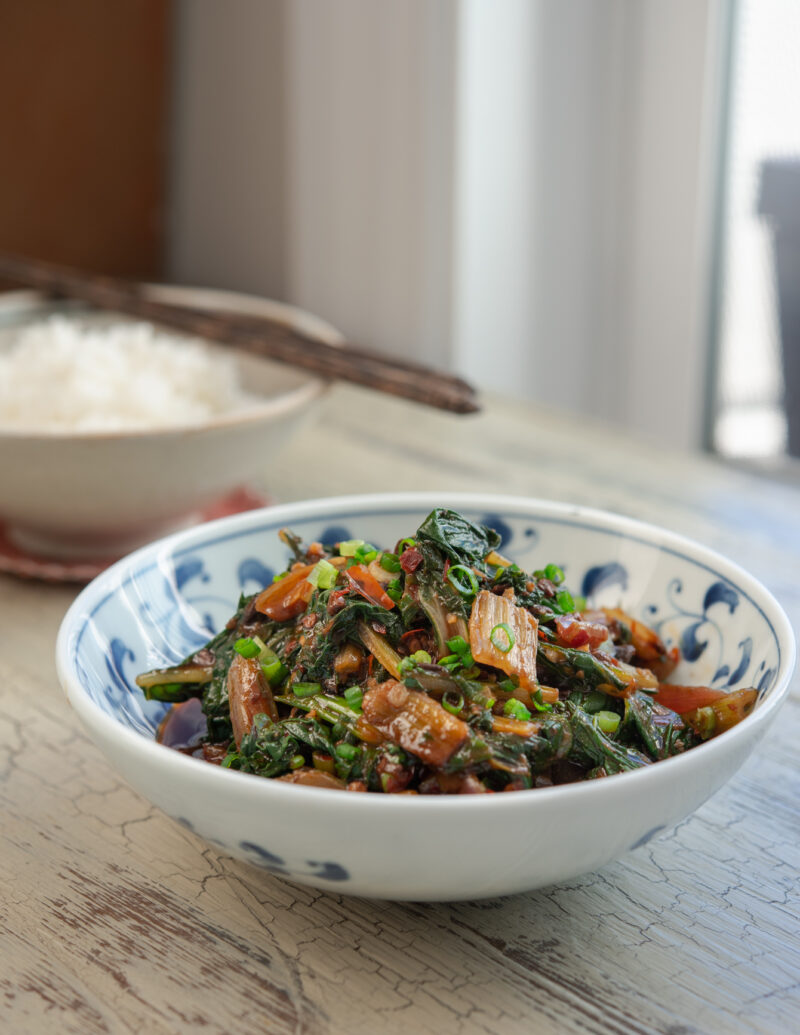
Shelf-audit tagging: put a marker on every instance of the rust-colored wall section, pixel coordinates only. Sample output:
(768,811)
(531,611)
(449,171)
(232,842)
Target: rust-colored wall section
(83,131)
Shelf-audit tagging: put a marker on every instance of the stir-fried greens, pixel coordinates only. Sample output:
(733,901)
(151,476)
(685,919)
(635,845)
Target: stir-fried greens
(438,667)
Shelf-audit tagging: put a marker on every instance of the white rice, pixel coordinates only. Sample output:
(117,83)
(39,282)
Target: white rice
(60,375)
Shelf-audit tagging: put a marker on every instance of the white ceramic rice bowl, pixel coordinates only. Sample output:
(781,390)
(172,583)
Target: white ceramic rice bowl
(103,493)
(165,600)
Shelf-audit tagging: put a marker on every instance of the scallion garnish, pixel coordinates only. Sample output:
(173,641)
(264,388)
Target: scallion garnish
(390,562)
(306,689)
(419,657)
(502,637)
(323,575)
(274,671)
(565,601)
(452,701)
(463,580)
(554,574)
(516,709)
(349,547)
(346,751)
(607,721)
(353,695)
(247,647)
(539,702)
(296,762)
(458,645)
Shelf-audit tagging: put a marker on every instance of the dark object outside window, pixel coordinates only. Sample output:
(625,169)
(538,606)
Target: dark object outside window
(779,204)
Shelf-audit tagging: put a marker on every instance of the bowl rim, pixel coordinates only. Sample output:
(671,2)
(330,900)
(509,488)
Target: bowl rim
(250,787)
(254,411)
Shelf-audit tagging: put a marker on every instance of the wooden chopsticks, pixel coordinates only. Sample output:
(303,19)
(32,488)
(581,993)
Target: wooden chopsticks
(260,336)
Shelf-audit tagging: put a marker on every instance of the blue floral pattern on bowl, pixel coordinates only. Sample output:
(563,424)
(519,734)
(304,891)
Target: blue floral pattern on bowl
(168,602)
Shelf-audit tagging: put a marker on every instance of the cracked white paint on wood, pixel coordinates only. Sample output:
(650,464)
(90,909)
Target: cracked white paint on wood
(115,919)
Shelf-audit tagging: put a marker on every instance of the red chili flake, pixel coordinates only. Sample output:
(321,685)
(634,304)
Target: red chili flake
(410,559)
(411,632)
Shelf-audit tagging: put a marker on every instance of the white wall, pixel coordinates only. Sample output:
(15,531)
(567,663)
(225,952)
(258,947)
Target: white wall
(520,190)
(228,169)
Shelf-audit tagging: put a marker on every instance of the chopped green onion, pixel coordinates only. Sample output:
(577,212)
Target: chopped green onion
(450,659)
(323,575)
(513,569)
(279,576)
(390,562)
(394,593)
(452,701)
(405,543)
(469,585)
(353,695)
(565,601)
(296,762)
(458,645)
(607,721)
(508,685)
(306,689)
(539,703)
(419,657)
(502,637)
(554,573)
(516,709)
(274,671)
(365,553)
(346,751)
(349,547)
(247,647)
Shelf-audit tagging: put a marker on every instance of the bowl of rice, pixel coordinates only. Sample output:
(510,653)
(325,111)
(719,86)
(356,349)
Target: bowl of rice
(113,432)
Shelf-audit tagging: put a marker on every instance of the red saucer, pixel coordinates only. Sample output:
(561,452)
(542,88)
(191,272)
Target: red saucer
(16,561)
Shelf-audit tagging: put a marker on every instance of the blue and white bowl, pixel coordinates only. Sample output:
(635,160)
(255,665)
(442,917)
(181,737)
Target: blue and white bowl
(167,599)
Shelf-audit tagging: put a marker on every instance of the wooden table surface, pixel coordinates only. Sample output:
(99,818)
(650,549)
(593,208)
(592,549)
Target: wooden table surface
(115,919)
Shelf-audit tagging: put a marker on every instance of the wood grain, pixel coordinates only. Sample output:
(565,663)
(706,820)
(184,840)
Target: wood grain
(83,120)
(116,919)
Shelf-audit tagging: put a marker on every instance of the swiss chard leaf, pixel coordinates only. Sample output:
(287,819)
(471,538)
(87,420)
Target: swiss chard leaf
(657,728)
(265,751)
(591,748)
(343,626)
(457,538)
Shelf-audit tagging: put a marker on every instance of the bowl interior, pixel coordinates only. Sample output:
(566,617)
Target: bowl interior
(169,598)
